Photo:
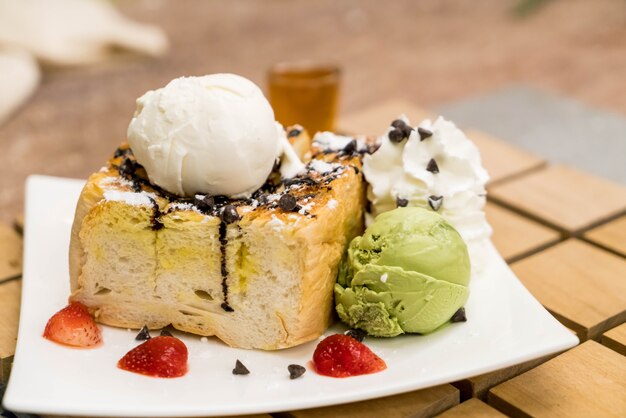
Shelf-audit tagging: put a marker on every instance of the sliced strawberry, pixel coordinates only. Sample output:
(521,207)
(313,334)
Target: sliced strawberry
(342,356)
(160,356)
(73,326)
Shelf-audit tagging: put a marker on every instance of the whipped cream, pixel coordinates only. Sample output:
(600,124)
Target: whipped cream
(214,134)
(403,173)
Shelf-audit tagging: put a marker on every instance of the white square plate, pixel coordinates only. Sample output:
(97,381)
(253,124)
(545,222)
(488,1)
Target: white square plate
(505,326)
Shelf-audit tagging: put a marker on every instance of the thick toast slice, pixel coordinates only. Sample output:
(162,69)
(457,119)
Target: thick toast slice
(259,277)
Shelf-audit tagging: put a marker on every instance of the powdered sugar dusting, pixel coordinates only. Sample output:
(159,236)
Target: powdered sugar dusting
(130,198)
(323,167)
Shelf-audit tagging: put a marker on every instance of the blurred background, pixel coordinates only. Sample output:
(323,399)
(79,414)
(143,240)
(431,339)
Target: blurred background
(528,71)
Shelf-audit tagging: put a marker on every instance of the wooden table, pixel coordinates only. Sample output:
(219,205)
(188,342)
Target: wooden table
(573,264)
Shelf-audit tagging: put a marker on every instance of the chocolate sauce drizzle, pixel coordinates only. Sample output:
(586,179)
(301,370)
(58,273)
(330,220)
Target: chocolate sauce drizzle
(223,243)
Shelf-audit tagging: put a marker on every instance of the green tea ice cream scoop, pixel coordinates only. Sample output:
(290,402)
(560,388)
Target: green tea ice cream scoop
(408,273)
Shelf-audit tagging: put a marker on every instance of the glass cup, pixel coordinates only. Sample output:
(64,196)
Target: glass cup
(305,94)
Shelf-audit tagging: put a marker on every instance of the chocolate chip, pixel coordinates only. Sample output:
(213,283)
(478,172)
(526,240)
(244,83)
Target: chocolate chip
(165,333)
(227,307)
(357,334)
(349,148)
(406,131)
(459,316)
(144,334)
(435,202)
(206,204)
(398,123)
(424,133)
(294,132)
(432,166)
(127,168)
(396,136)
(287,202)
(295,371)
(262,199)
(119,152)
(229,214)
(240,368)
(401,203)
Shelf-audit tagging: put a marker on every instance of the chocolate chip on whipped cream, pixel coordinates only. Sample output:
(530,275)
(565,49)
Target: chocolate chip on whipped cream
(435,202)
(424,133)
(401,203)
(396,136)
(432,166)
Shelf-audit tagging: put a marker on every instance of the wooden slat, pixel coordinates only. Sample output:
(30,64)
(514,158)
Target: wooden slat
(616,339)
(423,403)
(502,159)
(374,120)
(473,408)
(10,294)
(562,196)
(478,386)
(515,235)
(10,252)
(587,381)
(582,285)
(610,235)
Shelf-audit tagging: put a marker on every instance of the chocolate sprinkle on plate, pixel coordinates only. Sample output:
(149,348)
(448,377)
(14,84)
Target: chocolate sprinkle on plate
(435,202)
(459,316)
(165,333)
(432,166)
(144,334)
(424,133)
(240,369)
(357,334)
(287,202)
(229,214)
(295,371)
(401,203)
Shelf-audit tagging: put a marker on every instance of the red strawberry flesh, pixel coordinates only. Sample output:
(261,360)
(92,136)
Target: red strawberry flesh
(73,326)
(160,356)
(342,356)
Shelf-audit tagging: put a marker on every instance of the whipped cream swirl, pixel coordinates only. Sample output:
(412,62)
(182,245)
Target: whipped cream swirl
(442,172)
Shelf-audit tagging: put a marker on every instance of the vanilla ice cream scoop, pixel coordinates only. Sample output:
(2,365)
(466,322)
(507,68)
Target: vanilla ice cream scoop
(214,134)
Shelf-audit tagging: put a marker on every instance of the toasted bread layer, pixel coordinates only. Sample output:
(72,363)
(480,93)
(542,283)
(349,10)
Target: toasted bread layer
(139,256)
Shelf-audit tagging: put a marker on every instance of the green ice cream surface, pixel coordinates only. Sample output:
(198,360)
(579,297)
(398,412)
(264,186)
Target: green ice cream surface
(408,273)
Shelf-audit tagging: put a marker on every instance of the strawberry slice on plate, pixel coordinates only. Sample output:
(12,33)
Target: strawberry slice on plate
(160,356)
(340,355)
(73,326)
